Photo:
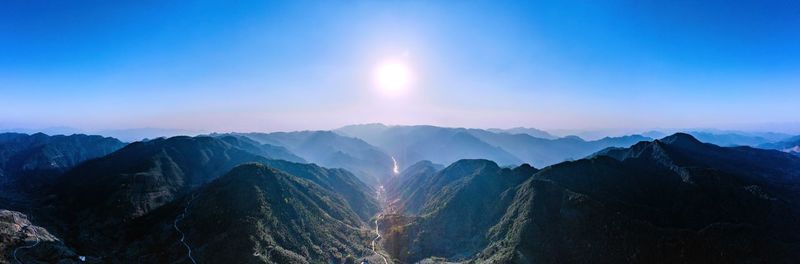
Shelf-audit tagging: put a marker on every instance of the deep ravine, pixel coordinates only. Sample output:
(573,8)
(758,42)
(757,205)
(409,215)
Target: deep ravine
(183,236)
(380,197)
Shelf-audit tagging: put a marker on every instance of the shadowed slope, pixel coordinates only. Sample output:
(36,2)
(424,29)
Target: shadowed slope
(666,201)
(461,203)
(254,214)
(98,196)
(27,162)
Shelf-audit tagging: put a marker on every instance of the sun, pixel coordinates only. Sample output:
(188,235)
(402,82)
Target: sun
(393,77)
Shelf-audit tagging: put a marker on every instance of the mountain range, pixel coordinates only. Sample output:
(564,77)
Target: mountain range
(410,144)
(789,145)
(252,214)
(538,133)
(23,154)
(329,149)
(98,196)
(30,162)
(670,200)
(331,197)
(733,138)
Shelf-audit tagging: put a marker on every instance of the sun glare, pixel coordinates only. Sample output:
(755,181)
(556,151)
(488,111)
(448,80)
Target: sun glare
(393,77)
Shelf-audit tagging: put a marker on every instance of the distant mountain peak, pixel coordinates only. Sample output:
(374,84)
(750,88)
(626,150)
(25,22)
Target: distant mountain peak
(472,165)
(573,137)
(680,139)
(249,172)
(421,163)
(534,132)
(372,125)
(525,166)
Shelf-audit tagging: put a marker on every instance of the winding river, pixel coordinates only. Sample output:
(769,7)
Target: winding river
(380,197)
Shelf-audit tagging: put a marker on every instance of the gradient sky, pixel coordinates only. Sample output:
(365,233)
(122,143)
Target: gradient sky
(308,65)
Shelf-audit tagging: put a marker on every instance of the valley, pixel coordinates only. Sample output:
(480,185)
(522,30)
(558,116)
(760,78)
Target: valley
(182,235)
(380,195)
(231,198)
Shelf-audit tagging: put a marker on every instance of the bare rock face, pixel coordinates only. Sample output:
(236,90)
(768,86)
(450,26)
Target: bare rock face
(21,240)
(17,230)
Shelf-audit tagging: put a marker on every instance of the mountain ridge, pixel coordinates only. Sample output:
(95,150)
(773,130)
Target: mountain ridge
(656,193)
(444,145)
(100,194)
(332,150)
(252,214)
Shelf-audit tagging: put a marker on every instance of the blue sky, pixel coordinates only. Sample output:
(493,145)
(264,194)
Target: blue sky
(289,65)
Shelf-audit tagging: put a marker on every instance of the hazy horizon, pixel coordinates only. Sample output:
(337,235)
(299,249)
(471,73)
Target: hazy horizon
(135,134)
